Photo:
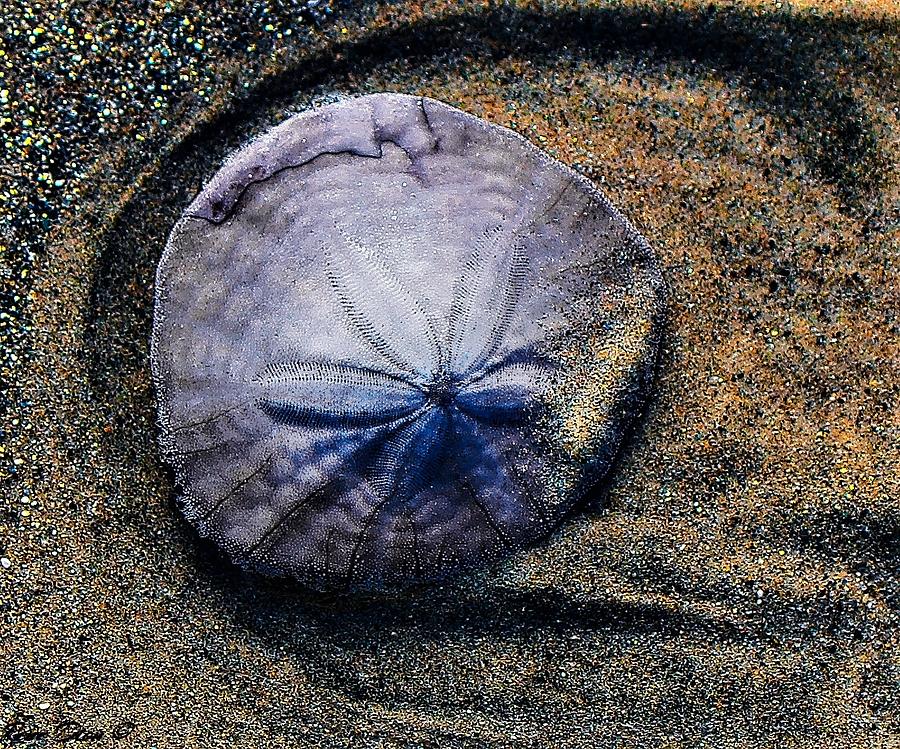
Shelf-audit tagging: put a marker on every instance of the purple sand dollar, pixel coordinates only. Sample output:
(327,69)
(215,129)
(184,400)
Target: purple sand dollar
(392,340)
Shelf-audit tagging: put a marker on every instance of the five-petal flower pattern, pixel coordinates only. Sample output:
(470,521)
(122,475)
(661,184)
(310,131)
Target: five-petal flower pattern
(392,341)
(419,418)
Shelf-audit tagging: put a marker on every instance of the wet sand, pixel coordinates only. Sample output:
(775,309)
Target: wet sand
(734,583)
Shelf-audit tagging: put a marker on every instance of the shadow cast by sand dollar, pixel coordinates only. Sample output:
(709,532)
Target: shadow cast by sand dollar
(392,340)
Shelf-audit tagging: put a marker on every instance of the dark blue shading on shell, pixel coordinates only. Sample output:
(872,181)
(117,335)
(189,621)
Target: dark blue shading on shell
(392,340)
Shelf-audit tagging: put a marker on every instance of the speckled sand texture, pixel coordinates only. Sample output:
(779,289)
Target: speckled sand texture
(736,583)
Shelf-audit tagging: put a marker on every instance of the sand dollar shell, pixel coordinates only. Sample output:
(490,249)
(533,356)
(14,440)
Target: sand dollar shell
(392,340)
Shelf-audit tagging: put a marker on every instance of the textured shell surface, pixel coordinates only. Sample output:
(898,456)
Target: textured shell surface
(392,340)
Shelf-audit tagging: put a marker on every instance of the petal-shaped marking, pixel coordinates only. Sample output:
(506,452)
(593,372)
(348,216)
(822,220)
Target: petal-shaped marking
(407,461)
(381,311)
(472,286)
(504,308)
(505,395)
(346,373)
(485,299)
(321,395)
(527,354)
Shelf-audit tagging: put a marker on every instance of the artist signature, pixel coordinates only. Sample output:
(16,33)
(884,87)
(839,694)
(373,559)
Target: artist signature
(22,730)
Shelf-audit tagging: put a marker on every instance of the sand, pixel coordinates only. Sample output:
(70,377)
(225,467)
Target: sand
(736,580)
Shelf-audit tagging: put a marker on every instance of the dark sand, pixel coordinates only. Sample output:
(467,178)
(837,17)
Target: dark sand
(737,581)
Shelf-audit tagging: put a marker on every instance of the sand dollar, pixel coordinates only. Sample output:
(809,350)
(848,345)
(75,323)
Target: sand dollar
(392,340)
